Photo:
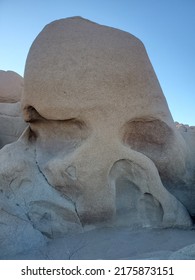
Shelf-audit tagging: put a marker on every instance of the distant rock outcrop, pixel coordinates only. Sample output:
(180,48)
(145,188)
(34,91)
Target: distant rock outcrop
(11,122)
(11,86)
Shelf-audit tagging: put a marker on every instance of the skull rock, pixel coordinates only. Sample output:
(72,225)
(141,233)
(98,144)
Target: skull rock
(102,130)
(101,145)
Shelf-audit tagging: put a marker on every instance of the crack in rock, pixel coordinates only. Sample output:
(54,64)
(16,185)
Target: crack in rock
(45,178)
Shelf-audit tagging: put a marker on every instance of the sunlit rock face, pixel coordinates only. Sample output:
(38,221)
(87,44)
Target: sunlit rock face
(11,122)
(101,147)
(11,86)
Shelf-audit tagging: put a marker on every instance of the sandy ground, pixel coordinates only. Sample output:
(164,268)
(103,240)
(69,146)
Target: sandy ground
(119,243)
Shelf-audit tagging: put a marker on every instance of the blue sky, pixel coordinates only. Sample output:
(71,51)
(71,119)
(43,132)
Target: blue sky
(166,27)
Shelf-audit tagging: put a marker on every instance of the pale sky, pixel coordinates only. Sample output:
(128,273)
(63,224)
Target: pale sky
(166,27)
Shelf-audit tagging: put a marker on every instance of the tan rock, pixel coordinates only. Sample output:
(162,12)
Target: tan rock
(11,122)
(106,105)
(11,86)
(89,66)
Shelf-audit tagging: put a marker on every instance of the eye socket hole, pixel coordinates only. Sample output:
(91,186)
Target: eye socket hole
(149,137)
(31,115)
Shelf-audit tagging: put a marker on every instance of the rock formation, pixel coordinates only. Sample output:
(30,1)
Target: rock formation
(11,86)
(101,147)
(11,121)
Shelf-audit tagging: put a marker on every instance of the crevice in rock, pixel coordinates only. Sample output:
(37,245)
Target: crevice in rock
(13,215)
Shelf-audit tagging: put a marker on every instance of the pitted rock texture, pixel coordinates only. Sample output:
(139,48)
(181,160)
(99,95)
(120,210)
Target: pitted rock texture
(101,148)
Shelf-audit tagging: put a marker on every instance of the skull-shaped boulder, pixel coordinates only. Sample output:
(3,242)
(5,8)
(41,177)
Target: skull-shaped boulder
(100,136)
(92,99)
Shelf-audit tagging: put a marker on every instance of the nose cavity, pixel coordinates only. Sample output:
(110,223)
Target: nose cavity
(141,199)
(135,205)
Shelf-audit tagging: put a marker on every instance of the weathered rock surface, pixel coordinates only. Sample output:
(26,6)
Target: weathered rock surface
(11,122)
(186,185)
(11,86)
(107,106)
(186,253)
(101,148)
